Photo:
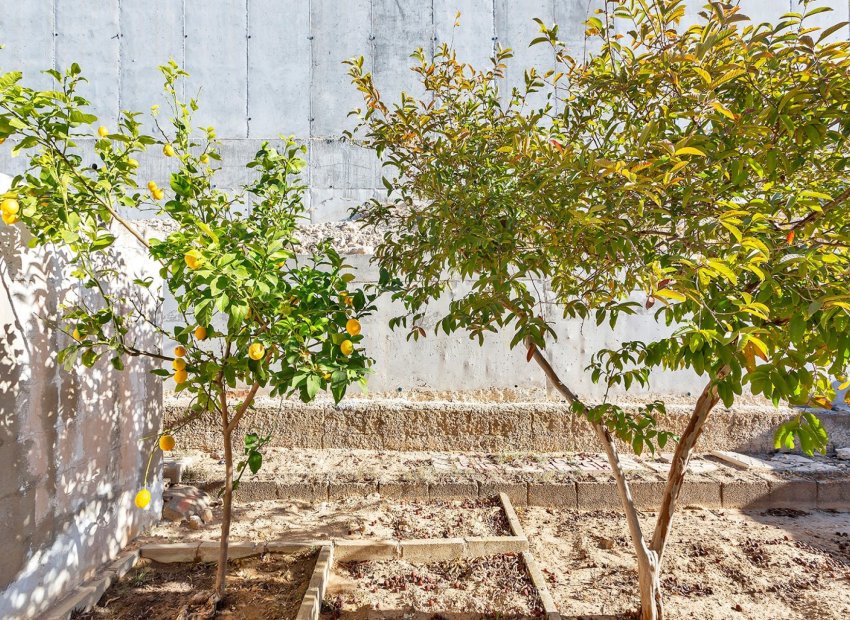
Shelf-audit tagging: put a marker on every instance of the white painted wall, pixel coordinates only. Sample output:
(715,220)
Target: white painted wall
(72,447)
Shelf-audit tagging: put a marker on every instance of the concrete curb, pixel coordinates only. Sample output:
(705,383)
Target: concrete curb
(758,494)
(86,595)
(539,581)
(311,605)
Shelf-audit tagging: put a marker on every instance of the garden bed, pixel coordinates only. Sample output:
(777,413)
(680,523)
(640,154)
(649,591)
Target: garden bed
(354,518)
(719,564)
(260,587)
(492,586)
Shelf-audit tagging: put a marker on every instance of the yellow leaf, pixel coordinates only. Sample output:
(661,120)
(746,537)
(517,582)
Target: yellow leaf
(844,386)
(749,357)
(736,232)
(689,150)
(669,294)
(724,110)
(760,346)
(209,231)
(505,149)
(729,75)
(723,269)
(705,75)
(756,244)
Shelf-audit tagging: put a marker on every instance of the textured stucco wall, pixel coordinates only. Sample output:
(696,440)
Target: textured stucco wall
(71,450)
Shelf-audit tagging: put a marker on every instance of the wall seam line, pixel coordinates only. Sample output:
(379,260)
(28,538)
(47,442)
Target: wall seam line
(247,69)
(310,122)
(120,63)
(55,60)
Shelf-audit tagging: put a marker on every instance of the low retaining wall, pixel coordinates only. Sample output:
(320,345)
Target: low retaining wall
(392,424)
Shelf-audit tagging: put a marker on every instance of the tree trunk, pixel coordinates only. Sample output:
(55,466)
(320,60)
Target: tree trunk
(651,603)
(678,468)
(226,514)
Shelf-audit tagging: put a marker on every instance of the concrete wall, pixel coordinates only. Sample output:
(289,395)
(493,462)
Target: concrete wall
(72,453)
(271,67)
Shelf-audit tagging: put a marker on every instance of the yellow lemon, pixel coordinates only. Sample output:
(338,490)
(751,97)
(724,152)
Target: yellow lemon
(133,163)
(326,376)
(178,364)
(9,218)
(102,131)
(2,140)
(205,159)
(347,347)
(168,150)
(158,194)
(143,498)
(167,443)
(10,206)
(76,335)
(352,326)
(256,351)
(201,332)
(180,350)
(192,261)
(152,186)
(180,377)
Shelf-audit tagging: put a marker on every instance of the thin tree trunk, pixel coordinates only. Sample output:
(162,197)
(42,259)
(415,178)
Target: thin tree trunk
(651,603)
(228,426)
(648,563)
(226,514)
(678,468)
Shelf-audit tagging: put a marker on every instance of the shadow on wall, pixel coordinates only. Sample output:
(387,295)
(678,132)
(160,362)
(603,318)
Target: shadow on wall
(73,445)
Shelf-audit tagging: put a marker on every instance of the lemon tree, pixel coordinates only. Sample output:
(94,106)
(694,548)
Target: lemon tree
(704,169)
(256,312)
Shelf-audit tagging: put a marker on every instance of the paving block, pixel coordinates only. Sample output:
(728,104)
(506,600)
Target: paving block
(539,582)
(404,490)
(597,496)
(647,494)
(305,491)
(81,599)
(452,490)
(704,493)
(343,490)
(122,564)
(794,493)
(348,550)
(432,550)
(553,495)
(752,494)
(256,490)
(479,546)
(293,546)
(510,515)
(517,491)
(174,552)
(208,551)
(834,494)
(311,604)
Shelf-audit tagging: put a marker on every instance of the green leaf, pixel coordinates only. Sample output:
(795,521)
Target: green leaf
(255,461)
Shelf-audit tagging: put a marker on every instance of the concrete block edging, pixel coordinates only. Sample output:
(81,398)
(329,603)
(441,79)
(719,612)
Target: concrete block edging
(539,582)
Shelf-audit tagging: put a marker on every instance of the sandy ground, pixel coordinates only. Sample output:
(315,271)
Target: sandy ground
(719,565)
(267,588)
(369,517)
(496,586)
